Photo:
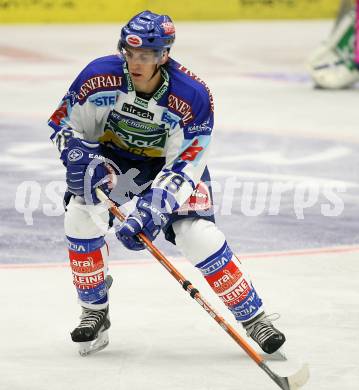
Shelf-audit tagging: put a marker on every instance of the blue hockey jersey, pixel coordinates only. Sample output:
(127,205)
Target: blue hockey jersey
(174,124)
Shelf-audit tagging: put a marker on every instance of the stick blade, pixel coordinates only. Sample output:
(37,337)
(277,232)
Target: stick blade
(291,382)
(300,378)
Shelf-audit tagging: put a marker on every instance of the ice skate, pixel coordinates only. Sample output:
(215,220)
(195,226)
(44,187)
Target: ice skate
(262,331)
(91,334)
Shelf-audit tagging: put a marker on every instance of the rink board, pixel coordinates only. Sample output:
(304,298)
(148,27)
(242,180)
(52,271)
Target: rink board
(87,11)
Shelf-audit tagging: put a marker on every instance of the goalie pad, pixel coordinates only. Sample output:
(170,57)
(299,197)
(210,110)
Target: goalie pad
(332,65)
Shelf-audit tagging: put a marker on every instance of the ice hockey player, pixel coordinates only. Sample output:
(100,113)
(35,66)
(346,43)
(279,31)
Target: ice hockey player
(140,109)
(335,64)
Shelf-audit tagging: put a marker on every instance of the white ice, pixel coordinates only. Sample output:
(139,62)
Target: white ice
(160,338)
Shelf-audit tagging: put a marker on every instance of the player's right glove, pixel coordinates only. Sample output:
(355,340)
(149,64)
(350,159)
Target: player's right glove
(86,169)
(149,218)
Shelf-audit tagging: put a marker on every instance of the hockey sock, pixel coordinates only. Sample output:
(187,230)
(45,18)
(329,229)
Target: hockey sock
(222,272)
(88,259)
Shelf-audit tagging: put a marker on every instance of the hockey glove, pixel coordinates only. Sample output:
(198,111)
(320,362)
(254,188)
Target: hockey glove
(86,170)
(149,217)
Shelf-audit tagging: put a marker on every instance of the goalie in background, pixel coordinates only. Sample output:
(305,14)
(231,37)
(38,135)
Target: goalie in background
(335,64)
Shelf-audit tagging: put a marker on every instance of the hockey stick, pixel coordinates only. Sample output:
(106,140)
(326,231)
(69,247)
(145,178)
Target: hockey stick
(291,382)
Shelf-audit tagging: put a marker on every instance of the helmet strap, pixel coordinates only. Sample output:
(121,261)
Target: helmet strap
(155,71)
(158,67)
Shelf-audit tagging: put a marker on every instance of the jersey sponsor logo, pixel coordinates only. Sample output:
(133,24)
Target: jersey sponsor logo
(141,102)
(134,40)
(160,92)
(248,307)
(75,155)
(191,153)
(105,81)
(202,128)
(85,263)
(218,263)
(129,82)
(103,101)
(199,200)
(194,77)
(170,118)
(225,279)
(83,266)
(215,265)
(154,211)
(182,107)
(237,295)
(131,109)
(134,136)
(78,264)
(90,281)
(116,120)
(141,142)
(97,156)
(168,28)
(115,116)
(76,247)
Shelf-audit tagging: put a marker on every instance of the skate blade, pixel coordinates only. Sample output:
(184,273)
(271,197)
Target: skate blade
(277,356)
(90,347)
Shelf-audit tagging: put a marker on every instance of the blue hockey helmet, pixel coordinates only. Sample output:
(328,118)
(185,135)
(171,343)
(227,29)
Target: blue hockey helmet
(148,30)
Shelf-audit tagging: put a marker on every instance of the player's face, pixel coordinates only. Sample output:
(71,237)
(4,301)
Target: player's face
(142,62)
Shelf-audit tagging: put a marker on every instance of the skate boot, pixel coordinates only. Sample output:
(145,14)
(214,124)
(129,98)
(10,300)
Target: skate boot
(262,331)
(91,334)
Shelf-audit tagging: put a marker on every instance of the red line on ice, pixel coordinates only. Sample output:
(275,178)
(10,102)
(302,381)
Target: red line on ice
(116,263)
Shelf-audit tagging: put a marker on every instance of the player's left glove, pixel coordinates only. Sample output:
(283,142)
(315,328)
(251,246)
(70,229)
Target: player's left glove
(149,217)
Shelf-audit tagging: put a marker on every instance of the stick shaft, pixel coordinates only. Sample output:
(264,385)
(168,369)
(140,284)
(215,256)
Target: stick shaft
(194,293)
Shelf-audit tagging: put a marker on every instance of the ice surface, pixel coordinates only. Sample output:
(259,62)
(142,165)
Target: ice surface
(271,127)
